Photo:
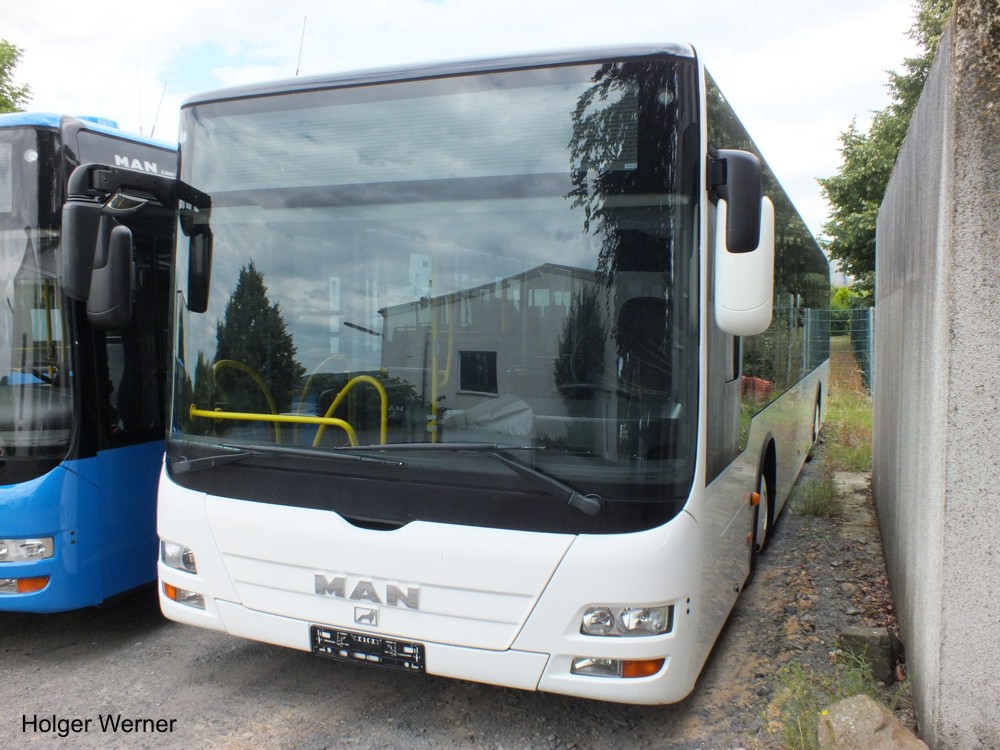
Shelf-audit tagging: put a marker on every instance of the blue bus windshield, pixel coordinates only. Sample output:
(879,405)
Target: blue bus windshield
(36,400)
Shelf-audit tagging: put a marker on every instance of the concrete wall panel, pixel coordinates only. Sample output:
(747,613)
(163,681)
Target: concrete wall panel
(936,453)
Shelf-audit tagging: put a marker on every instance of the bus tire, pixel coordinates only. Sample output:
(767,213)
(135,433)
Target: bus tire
(817,425)
(764,511)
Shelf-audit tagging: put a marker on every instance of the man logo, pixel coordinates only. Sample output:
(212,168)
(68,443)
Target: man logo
(365,616)
(137,164)
(365,591)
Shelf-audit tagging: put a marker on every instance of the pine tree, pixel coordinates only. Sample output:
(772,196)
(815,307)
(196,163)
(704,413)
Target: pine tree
(253,333)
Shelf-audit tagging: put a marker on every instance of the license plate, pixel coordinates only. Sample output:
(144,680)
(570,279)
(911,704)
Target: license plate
(364,648)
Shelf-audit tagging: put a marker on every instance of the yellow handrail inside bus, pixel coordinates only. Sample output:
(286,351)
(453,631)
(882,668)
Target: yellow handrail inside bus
(439,377)
(256,379)
(383,416)
(276,418)
(312,376)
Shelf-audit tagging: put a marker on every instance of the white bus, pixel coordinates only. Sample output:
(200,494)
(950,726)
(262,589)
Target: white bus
(497,370)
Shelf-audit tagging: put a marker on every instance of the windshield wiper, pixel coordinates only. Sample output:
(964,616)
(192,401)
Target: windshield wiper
(590,504)
(183,464)
(454,447)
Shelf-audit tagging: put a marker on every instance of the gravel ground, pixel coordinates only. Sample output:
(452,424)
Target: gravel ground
(212,691)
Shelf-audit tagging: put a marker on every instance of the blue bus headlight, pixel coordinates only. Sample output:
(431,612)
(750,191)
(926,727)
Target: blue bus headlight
(178,556)
(21,550)
(627,621)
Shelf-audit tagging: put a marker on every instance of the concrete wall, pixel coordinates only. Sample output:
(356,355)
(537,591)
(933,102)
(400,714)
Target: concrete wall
(936,453)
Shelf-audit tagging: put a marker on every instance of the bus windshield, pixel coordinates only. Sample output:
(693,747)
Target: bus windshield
(470,275)
(35,390)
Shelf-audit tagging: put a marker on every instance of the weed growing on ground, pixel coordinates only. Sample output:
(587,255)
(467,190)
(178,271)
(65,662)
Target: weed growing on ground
(801,695)
(817,496)
(855,677)
(848,432)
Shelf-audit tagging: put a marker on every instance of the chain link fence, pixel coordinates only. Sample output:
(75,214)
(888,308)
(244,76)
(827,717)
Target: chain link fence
(852,345)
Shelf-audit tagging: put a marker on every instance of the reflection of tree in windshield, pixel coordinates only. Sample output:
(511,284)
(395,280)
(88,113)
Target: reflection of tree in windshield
(254,369)
(254,335)
(580,363)
(626,174)
(255,372)
(621,147)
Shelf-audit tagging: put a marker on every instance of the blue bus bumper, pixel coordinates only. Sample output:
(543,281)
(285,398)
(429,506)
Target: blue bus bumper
(101,515)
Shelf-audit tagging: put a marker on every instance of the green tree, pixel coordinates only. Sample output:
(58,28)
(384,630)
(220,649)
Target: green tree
(12,98)
(253,333)
(855,192)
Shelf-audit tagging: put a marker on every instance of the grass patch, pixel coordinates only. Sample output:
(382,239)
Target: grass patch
(817,496)
(848,432)
(800,695)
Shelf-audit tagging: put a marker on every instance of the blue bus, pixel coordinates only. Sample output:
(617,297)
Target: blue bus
(81,393)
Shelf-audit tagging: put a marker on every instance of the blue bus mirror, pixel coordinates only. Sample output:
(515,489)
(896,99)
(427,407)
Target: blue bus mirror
(81,221)
(109,305)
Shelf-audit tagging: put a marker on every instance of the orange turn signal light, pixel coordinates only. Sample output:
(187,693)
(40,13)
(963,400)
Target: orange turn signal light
(641,668)
(29,585)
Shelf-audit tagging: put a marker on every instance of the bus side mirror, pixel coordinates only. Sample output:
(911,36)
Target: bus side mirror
(199,270)
(739,182)
(109,305)
(81,221)
(744,244)
(744,281)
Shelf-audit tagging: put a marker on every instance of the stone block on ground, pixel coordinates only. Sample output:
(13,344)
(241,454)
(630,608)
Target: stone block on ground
(877,646)
(860,723)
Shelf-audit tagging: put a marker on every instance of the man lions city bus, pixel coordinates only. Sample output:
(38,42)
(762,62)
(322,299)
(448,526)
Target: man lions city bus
(81,402)
(494,370)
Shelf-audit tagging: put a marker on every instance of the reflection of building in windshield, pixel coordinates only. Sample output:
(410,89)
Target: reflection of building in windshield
(528,354)
(494,338)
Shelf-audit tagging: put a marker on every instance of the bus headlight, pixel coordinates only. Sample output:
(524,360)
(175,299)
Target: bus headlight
(178,556)
(627,621)
(21,550)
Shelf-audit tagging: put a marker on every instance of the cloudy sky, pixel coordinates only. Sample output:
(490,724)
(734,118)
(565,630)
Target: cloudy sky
(796,71)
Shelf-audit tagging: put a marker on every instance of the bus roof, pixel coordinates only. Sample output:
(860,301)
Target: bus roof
(95,124)
(440,69)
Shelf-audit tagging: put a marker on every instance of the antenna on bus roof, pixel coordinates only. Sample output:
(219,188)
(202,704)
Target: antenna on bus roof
(742,34)
(157,115)
(138,94)
(301,41)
